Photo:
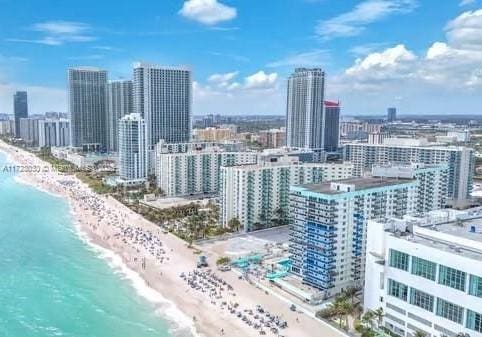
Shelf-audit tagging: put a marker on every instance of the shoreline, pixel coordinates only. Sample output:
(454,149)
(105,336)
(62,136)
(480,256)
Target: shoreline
(153,265)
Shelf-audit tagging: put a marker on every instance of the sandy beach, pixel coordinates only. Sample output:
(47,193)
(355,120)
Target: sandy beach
(204,302)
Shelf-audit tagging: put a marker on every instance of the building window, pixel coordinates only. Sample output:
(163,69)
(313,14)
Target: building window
(397,289)
(452,278)
(475,286)
(449,311)
(423,268)
(474,321)
(398,259)
(421,299)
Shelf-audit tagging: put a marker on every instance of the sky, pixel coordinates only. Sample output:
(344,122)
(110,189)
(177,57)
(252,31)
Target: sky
(422,56)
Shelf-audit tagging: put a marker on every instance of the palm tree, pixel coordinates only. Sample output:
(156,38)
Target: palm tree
(378,314)
(419,333)
(351,293)
(462,334)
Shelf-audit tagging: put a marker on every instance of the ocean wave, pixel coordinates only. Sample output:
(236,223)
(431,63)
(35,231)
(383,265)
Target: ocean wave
(180,323)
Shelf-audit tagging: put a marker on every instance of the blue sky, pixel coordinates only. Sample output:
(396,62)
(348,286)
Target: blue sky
(424,56)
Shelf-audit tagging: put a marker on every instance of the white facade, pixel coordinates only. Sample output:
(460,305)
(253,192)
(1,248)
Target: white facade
(119,104)
(328,228)
(196,172)
(54,133)
(162,96)
(29,130)
(431,192)
(258,194)
(459,159)
(132,149)
(426,273)
(304,112)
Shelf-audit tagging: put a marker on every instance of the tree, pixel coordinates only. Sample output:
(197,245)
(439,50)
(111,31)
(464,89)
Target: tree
(234,224)
(351,293)
(419,333)
(378,314)
(223,260)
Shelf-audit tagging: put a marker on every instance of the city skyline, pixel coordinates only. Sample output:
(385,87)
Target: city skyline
(367,49)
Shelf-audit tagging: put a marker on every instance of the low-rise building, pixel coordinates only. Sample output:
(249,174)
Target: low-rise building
(426,273)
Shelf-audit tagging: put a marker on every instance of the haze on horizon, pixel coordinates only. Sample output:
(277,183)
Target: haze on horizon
(241,52)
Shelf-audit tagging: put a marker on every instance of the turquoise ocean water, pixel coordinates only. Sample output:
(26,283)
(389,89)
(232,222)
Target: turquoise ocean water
(53,284)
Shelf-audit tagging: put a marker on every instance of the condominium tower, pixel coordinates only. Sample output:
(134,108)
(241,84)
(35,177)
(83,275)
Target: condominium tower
(120,103)
(332,126)
(162,96)
(304,110)
(20,109)
(88,108)
(197,171)
(426,273)
(460,160)
(132,149)
(328,229)
(258,195)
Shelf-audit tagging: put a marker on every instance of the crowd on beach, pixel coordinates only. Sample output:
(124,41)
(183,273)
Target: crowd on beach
(222,294)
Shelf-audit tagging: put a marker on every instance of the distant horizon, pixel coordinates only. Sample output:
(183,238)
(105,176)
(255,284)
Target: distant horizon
(371,51)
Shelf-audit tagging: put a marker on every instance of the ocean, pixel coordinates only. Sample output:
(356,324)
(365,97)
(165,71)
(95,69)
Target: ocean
(53,283)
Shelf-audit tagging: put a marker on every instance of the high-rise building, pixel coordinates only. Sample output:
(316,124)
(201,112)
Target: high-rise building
(20,109)
(426,273)
(332,126)
(258,195)
(432,180)
(88,108)
(119,103)
(328,229)
(54,132)
(304,110)
(162,96)
(29,128)
(391,115)
(460,159)
(196,172)
(132,149)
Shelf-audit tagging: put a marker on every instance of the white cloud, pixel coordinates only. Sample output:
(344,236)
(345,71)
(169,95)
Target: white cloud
(352,23)
(467,3)
(465,31)
(311,58)
(260,80)
(209,12)
(55,33)
(389,64)
(222,78)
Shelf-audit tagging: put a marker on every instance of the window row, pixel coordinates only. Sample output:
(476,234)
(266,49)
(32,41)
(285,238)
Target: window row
(443,308)
(447,276)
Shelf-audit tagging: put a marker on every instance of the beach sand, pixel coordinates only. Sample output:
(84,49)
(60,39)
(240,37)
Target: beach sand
(160,258)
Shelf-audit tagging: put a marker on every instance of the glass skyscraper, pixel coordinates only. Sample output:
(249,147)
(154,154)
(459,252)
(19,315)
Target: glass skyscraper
(20,109)
(88,108)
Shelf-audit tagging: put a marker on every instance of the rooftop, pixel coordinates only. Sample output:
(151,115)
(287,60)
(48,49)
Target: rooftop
(359,184)
(456,232)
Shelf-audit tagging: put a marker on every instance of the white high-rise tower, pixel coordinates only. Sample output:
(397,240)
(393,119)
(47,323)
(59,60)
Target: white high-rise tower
(304,111)
(132,149)
(120,103)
